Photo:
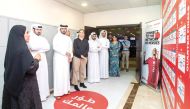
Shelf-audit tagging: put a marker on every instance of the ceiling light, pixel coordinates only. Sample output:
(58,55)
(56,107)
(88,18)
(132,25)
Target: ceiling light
(84,4)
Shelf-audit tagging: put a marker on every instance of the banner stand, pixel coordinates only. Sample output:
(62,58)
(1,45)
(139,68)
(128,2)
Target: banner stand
(152,53)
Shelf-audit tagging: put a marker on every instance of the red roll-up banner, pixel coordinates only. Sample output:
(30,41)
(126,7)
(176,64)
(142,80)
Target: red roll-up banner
(151,53)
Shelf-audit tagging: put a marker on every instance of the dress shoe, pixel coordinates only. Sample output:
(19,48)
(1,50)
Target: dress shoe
(127,70)
(76,88)
(82,85)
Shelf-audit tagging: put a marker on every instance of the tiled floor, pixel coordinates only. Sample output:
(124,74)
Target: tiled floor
(114,89)
(147,98)
(117,89)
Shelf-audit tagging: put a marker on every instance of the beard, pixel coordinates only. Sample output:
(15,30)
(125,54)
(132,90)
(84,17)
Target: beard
(38,34)
(63,32)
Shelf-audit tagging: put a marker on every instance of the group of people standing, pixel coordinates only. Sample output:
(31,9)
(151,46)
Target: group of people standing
(26,70)
(104,54)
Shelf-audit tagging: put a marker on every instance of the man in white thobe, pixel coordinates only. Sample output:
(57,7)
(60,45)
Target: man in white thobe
(93,59)
(104,55)
(62,46)
(39,44)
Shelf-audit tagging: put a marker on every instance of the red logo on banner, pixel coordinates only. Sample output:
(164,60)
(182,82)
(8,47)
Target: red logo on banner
(82,100)
(157,35)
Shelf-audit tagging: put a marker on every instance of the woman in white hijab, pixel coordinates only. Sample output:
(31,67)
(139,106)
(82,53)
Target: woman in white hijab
(93,59)
(104,55)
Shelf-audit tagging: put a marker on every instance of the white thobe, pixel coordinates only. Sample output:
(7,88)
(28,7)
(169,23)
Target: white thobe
(93,62)
(39,44)
(61,45)
(104,57)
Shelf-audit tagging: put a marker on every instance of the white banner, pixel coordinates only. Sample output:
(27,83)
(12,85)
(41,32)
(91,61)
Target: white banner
(151,54)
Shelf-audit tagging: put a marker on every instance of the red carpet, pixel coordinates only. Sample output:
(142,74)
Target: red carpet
(82,100)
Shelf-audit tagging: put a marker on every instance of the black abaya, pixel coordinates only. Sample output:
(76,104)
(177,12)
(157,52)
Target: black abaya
(20,83)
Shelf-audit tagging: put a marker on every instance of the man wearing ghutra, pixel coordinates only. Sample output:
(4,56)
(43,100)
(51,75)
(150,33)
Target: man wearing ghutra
(93,59)
(62,46)
(39,44)
(104,55)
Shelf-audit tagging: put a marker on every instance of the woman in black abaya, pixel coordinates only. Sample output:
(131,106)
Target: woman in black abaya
(20,83)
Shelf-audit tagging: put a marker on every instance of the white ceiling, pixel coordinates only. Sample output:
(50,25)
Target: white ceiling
(104,5)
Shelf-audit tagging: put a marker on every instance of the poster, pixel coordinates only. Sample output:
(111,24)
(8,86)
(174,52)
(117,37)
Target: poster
(151,53)
(175,54)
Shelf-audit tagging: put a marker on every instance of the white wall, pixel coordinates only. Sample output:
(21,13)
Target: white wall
(42,11)
(123,16)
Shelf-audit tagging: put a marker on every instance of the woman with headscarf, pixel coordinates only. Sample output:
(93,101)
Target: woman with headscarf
(93,59)
(114,57)
(20,84)
(104,55)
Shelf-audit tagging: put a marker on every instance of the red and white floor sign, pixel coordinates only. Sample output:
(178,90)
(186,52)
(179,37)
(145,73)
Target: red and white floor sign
(82,100)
